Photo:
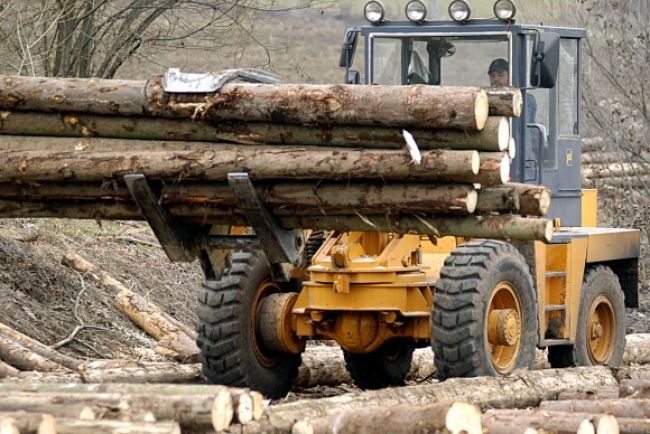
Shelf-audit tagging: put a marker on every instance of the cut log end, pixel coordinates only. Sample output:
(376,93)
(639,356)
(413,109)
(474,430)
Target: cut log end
(481,109)
(464,418)
(47,425)
(586,427)
(505,169)
(476,163)
(512,149)
(548,233)
(504,134)
(472,201)
(222,409)
(87,413)
(607,424)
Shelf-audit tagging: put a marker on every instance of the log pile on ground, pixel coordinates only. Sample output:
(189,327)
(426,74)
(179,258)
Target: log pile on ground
(320,156)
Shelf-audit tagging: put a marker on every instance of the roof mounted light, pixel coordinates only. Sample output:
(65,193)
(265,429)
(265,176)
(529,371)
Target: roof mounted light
(504,10)
(460,11)
(374,11)
(416,11)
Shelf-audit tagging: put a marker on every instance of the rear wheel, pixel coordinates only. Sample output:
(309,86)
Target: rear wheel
(484,318)
(600,337)
(232,351)
(385,367)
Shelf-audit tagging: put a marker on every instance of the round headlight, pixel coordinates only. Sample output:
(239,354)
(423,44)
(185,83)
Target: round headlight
(374,11)
(459,10)
(504,10)
(416,11)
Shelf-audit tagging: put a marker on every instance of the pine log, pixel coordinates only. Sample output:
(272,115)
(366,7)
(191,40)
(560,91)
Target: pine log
(423,106)
(635,389)
(53,377)
(534,200)
(558,422)
(324,365)
(637,349)
(147,316)
(633,372)
(494,137)
(626,182)
(300,198)
(496,227)
(498,200)
(505,101)
(520,390)
(592,144)
(190,411)
(7,370)
(77,426)
(39,348)
(600,157)
(31,423)
(7,426)
(247,405)
(614,170)
(23,358)
(634,408)
(261,163)
(163,373)
(494,169)
(443,417)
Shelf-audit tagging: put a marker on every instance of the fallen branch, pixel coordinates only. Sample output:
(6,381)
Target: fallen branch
(169,332)
(23,358)
(39,348)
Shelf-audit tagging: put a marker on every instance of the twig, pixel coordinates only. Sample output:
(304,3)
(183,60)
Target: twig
(81,325)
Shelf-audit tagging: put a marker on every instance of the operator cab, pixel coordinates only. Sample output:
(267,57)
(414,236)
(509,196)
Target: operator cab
(543,61)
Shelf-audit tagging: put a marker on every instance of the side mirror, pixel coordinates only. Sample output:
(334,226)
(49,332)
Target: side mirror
(545,61)
(352,76)
(349,47)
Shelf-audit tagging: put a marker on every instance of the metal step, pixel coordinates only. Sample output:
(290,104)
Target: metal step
(554,342)
(555,307)
(553,274)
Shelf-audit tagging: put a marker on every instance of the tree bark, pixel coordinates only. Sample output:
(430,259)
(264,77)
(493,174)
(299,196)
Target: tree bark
(77,426)
(262,163)
(505,101)
(613,170)
(191,412)
(7,370)
(498,200)
(494,169)
(534,200)
(498,227)
(23,358)
(159,373)
(520,390)
(300,198)
(37,347)
(323,365)
(494,137)
(558,422)
(637,349)
(423,106)
(247,405)
(161,326)
(444,417)
(634,408)
(639,389)
(31,423)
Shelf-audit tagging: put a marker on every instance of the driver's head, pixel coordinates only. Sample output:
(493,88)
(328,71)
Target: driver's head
(498,72)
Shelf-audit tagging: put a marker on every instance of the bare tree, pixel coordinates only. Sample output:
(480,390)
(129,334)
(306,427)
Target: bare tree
(94,38)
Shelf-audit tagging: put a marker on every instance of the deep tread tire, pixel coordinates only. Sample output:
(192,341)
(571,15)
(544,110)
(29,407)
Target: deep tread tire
(459,319)
(385,367)
(225,335)
(598,280)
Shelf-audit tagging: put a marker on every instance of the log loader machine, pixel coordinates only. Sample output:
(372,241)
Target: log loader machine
(483,305)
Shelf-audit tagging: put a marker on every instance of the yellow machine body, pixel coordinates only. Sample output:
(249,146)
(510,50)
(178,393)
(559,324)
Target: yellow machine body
(365,288)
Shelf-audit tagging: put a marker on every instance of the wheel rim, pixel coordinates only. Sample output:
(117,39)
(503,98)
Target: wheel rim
(266,358)
(600,330)
(503,333)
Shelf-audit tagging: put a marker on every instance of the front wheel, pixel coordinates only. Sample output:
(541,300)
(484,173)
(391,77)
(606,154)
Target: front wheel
(232,351)
(484,319)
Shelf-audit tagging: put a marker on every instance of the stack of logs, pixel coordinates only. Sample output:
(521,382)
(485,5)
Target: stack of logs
(321,156)
(602,168)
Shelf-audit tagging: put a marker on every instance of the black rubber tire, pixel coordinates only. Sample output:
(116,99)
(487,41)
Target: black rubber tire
(226,334)
(460,307)
(385,367)
(598,280)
